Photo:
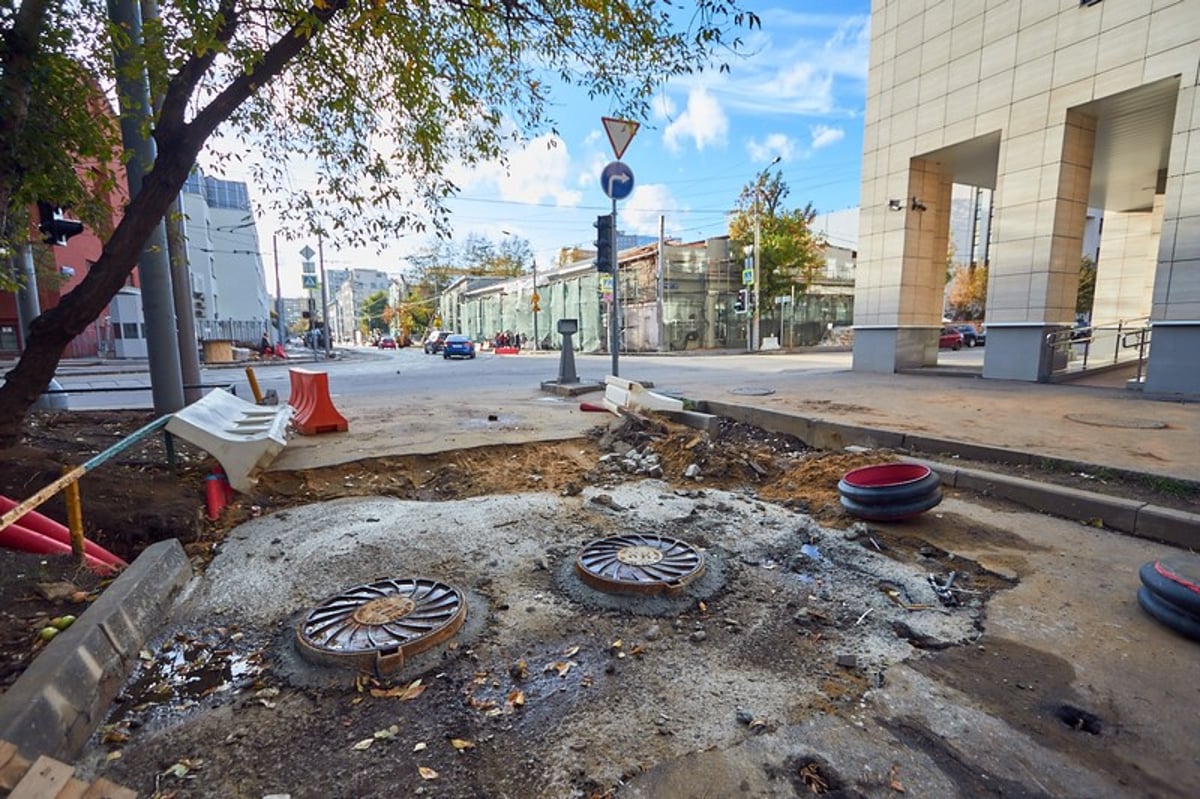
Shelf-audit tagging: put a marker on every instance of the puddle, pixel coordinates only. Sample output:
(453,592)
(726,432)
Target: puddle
(179,673)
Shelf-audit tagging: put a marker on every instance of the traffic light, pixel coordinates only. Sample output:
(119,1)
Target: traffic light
(604,248)
(739,304)
(54,227)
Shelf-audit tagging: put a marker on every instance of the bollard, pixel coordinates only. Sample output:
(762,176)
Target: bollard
(566,360)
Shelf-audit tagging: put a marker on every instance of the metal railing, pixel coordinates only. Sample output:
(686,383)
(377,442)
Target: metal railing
(1124,335)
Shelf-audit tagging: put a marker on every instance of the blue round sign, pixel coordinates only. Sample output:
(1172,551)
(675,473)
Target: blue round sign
(617,180)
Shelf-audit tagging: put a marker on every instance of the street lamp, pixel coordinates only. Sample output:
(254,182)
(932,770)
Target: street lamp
(758,179)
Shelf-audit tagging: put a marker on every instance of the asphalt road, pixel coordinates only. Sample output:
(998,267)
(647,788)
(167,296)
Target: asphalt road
(365,372)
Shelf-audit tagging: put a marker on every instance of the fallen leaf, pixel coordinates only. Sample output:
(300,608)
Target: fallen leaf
(703,607)
(516,698)
(894,779)
(461,744)
(427,773)
(115,737)
(414,689)
(419,746)
(364,744)
(638,650)
(617,644)
(571,652)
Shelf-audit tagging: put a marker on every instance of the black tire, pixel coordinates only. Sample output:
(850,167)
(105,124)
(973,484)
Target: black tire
(895,511)
(899,494)
(472,356)
(1163,611)
(445,357)
(957,346)
(1175,580)
(970,343)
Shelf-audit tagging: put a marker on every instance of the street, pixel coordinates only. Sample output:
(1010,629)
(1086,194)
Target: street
(366,373)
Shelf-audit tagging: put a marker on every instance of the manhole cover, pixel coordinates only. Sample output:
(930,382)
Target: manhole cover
(374,627)
(639,564)
(1100,420)
(752,391)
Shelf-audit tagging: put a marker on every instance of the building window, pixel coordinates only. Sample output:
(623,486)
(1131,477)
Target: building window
(130,330)
(8,337)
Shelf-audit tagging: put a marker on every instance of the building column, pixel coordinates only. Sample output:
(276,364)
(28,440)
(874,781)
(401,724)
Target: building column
(1033,280)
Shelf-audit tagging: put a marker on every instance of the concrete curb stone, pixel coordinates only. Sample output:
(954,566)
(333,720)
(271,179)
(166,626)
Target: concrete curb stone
(53,708)
(1175,527)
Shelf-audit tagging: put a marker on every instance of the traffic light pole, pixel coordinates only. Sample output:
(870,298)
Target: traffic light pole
(614,316)
(154,268)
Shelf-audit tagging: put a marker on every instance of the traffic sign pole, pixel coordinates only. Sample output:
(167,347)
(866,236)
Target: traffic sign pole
(614,314)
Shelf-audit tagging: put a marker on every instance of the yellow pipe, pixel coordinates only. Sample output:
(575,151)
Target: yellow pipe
(258,397)
(74,516)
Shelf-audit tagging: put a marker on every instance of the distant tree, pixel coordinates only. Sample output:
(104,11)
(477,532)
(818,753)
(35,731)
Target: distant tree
(967,292)
(791,253)
(372,316)
(379,97)
(1086,295)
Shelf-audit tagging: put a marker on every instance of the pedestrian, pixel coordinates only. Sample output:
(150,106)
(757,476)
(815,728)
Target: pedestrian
(265,348)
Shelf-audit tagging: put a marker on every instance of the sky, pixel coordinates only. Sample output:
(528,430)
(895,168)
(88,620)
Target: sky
(799,95)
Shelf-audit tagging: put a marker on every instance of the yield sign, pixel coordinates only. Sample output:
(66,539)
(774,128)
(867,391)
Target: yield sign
(620,133)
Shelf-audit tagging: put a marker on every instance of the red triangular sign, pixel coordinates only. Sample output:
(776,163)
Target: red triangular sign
(620,133)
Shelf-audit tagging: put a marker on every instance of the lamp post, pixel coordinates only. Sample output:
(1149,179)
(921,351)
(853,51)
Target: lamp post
(754,298)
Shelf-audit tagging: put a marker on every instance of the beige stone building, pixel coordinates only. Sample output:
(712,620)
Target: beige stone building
(1057,105)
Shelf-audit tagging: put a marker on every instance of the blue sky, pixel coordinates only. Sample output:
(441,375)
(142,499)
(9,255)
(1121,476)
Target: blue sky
(799,95)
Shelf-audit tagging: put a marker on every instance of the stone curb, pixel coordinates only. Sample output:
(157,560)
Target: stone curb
(56,705)
(1144,520)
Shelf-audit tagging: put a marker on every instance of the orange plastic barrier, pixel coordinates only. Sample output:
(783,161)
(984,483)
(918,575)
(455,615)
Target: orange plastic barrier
(314,409)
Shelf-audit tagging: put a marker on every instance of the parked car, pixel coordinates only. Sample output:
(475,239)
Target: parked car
(435,341)
(951,339)
(458,346)
(386,343)
(971,336)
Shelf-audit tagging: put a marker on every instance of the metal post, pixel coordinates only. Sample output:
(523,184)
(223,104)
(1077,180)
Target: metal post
(324,295)
(166,377)
(615,314)
(279,320)
(752,296)
(28,307)
(536,304)
(184,303)
(662,285)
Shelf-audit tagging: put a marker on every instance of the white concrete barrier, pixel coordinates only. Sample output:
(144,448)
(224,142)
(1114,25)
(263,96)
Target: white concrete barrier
(622,393)
(242,436)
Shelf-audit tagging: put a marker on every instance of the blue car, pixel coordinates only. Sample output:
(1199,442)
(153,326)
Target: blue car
(458,346)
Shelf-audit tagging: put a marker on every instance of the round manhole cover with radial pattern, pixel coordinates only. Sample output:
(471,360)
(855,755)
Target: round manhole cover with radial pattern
(752,391)
(639,563)
(374,627)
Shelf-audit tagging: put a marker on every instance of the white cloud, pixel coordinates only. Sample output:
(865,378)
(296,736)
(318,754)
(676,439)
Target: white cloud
(662,106)
(823,136)
(703,121)
(775,144)
(640,213)
(798,64)
(535,173)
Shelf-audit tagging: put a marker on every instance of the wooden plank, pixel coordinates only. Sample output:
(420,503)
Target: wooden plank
(7,751)
(45,778)
(103,789)
(12,771)
(74,789)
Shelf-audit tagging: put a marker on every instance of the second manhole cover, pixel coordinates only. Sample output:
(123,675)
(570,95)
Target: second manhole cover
(639,563)
(752,391)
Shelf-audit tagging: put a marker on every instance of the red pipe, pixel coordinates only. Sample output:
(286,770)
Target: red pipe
(48,528)
(214,495)
(23,539)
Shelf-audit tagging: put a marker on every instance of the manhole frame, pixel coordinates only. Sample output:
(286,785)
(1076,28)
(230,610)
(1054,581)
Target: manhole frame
(390,658)
(636,554)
